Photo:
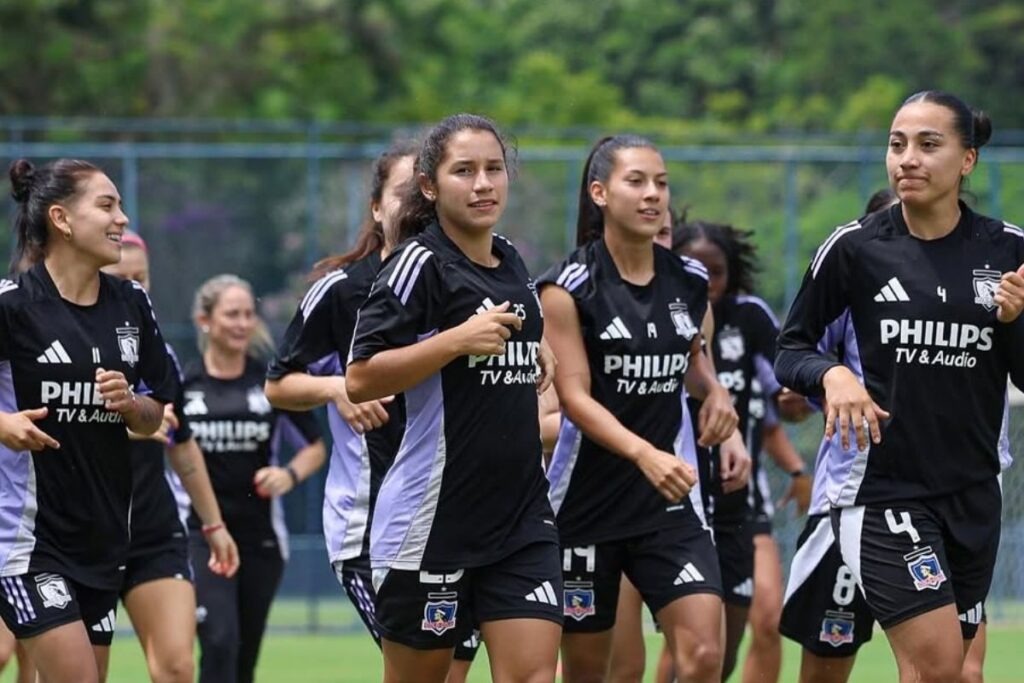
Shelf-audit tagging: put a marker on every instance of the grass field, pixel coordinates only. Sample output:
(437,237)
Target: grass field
(350,657)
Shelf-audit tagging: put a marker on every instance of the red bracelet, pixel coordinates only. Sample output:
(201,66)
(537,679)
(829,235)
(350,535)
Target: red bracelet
(210,528)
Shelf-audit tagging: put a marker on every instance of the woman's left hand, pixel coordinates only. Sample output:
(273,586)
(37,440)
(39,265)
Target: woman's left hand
(273,481)
(717,419)
(115,390)
(1009,296)
(735,464)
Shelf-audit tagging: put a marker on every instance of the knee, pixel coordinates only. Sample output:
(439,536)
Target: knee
(764,625)
(971,673)
(940,669)
(702,661)
(175,668)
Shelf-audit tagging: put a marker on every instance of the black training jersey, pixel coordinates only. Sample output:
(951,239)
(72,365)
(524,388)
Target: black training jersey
(467,486)
(239,433)
(638,341)
(66,510)
(925,342)
(317,342)
(154,512)
(744,355)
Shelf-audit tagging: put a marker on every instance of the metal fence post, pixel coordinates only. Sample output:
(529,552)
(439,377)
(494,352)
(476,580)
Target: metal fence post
(792,240)
(995,189)
(312,192)
(130,188)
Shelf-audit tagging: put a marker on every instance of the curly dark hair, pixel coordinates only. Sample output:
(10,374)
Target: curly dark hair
(737,245)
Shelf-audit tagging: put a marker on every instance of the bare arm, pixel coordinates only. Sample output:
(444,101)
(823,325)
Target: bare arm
(717,418)
(187,460)
(300,391)
(550,421)
(670,475)
(275,481)
(393,371)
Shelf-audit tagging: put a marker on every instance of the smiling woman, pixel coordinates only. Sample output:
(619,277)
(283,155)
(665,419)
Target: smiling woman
(75,343)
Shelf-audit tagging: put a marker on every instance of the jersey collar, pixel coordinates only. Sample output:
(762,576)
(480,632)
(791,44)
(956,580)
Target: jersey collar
(963,226)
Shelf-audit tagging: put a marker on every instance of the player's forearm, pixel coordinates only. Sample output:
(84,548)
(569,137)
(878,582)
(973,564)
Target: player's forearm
(394,371)
(601,426)
(145,417)
(187,460)
(299,391)
(781,449)
(308,460)
(701,378)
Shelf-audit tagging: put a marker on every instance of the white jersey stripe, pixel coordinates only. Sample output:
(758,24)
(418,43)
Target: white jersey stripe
(829,243)
(568,273)
(404,268)
(310,302)
(577,280)
(404,296)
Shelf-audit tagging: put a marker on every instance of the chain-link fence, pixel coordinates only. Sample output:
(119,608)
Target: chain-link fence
(266,201)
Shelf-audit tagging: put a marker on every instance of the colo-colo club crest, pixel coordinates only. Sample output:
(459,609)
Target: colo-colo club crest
(986,282)
(925,569)
(440,612)
(578,600)
(730,344)
(128,343)
(680,315)
(837,628)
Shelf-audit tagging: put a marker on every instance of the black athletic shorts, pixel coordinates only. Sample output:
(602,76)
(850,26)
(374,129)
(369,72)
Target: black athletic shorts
(735,546)
(163,559)
(824,609)
(32,604)
(356,578)
(914,556)
(664,566)
(432,610)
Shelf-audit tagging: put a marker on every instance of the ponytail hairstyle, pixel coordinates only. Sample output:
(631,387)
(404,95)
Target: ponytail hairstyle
(416,211)
(737,245)
(34,191)
(206,299)
(600,162)
(371,233)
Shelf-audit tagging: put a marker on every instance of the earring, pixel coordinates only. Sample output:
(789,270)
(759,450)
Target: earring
(66,234)
(205,329)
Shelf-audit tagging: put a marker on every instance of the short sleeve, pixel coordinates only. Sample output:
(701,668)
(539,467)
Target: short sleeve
(8,289)
(296,429)
(155,366)
(322,326)
(404,304)
(764,333)
(184,431)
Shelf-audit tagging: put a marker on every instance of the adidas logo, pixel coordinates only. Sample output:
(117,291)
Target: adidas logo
(745,589)
(485,306)
(973,615)
(543,593)
(689,574)
(616,330)
(7,286)
(106,625)
(54,353)
(892,291)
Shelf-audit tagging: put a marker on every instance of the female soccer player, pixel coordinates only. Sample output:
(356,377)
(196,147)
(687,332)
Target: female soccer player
(623,316)
(157,590)
(934,309)
(744,352)
(462,528)
(309,371)
(75,343)
(240,435)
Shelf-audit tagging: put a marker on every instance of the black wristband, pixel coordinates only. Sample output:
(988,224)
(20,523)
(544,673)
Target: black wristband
(294,475)
(797,473)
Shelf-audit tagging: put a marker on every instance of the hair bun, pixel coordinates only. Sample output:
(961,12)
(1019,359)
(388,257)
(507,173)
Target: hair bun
(982,128)
(22,175)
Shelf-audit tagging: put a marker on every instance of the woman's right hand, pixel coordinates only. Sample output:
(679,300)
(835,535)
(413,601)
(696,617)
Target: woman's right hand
(362,417)
(850,405)
(224,559)
(19,432)
(671,476)
(485,333)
